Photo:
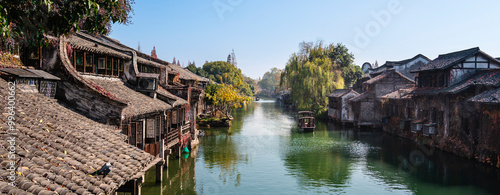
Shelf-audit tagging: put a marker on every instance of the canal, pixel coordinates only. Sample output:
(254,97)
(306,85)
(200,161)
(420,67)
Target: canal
(264,153)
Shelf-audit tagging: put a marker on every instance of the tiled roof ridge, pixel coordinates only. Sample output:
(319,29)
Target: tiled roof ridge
(401,62)
(474,49)
(91,38)
(385,73)
(73,73)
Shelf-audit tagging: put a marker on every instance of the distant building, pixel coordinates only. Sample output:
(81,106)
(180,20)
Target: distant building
(405,67)
(366,67)
(367,111)
(339,108)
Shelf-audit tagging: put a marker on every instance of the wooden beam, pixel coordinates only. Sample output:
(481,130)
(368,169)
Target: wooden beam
(141,173)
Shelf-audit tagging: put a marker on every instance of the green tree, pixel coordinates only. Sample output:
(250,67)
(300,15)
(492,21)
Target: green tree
(224,72)
(197,70)
(351,74)
(270,80)
(315,72)
(224,97)
(192,67)
(30,20)
(251,83)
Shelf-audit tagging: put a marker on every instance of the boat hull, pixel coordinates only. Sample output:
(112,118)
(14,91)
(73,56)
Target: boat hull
(307,129)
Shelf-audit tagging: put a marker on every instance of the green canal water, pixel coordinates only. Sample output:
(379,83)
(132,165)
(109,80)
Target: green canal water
(264,153)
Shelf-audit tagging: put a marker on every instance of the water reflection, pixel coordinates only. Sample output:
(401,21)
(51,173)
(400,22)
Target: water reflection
(264,153)
(220,153)
(178,177)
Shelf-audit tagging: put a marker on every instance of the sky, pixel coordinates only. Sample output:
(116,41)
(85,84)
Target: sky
(264,34)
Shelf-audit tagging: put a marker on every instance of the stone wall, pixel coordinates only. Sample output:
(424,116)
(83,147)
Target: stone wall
(465,129)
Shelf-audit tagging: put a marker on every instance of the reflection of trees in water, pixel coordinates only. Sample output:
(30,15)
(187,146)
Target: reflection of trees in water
(220,152)
(401,162)
(317,160)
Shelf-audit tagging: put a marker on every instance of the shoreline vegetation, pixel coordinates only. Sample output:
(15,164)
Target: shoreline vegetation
(316,71)
(231,89)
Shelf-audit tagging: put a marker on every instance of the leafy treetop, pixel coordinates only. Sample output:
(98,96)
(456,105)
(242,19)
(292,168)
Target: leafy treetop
(224,72)
(28,21)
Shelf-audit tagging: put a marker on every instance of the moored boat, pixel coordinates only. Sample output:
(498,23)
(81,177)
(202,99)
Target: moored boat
(306,121)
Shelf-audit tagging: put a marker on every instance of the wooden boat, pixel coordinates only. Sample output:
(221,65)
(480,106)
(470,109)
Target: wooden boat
(306,121)
(305,113)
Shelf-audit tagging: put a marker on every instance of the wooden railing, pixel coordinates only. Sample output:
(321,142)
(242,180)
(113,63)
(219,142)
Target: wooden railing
(172,138)
(186,128)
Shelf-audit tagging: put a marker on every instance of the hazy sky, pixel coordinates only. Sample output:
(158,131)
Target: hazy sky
(265,33)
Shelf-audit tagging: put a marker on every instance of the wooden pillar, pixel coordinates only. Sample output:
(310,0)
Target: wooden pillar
(159,166)
(159,172)
(137,186)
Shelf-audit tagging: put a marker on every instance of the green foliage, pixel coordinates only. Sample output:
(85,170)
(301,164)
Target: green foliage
(192,68)
(224,72)
(224,97)
(197,70)
(314,73)
(270,80)
(28,21)
(251,83)
(351,74)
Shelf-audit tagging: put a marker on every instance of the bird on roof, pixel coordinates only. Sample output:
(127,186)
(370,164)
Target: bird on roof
(105,169)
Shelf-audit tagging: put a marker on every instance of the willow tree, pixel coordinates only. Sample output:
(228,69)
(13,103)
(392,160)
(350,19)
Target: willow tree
(315,72)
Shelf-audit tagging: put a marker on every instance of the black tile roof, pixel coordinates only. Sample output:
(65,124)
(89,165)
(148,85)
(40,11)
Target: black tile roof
(58,150)
(388,64)
(138,103)
(386,73)
(86,42)
(402,62)
(400,94)
(488,78)
(20,72)
(362,96)
(340,92)
(488,97)
(170,98)
(186,74)
(43,74)
(444,61)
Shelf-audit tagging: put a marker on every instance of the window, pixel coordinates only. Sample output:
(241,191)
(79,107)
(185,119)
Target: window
(79,62)
(120,68)
(89,63)
(139,134)
(132,134)
(101,64)
(150,128)
(115,66)
(109,63)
